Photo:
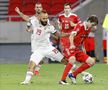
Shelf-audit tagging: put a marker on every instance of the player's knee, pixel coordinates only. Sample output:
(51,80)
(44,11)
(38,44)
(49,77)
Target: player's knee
(64,61)
(72,60)
(90,61)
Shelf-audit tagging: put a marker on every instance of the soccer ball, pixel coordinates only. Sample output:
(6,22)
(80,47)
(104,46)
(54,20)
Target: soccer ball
(88,78)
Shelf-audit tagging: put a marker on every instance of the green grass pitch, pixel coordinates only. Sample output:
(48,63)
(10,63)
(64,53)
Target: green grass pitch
(12,74)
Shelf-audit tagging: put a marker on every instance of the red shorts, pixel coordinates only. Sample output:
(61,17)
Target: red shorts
(79,55)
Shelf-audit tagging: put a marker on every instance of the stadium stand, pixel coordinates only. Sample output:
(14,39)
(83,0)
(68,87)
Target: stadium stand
(48,2)
(28,9)
(54,2)
(53,7)
(15,1)
(47,7)
(3,9)
(55,10)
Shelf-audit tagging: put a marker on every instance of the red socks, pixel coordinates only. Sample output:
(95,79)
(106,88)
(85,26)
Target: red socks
(80,69)
(66,71)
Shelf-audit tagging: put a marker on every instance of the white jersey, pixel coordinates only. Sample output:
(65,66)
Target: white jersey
(40,35)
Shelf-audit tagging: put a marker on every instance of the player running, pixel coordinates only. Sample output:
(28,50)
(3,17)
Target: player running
(38,8)
(66,22)
(77,37)
(41,46)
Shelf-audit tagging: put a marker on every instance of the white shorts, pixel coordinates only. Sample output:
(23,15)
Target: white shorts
(49,52)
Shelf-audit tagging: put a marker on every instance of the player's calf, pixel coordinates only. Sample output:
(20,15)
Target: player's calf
(29,73)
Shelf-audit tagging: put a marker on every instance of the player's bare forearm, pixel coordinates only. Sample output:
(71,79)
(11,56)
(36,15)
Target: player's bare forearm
(72,24)
(71,38)
(56,36)
(25,17)
(65,34)
(83,49)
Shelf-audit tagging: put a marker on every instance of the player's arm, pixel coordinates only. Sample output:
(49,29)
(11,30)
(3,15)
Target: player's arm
(28,27)
(71,38)
(72,24)
(56,35)
(65,34)
(25,17)
(83,48)
(76,21)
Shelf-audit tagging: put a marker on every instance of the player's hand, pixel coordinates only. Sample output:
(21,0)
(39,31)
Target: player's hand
(72,24)
(72,47)
(17,9)
(29,30)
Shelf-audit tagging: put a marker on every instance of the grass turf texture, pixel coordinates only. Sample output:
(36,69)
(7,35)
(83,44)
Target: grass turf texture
(12,74)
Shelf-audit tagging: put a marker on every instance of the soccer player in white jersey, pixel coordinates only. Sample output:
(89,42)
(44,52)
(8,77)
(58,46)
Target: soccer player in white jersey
(34,18)
(38,8)
(41,45)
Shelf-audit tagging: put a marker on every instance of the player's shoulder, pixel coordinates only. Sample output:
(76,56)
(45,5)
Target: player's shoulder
(33,17)
(61,15)
(73,14)
(79,25)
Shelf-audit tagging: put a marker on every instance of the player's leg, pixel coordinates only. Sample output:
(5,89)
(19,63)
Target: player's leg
(29,73)
(34,60)
(68,67)
(37,68)
(88,62)
(56,55)
(76,67)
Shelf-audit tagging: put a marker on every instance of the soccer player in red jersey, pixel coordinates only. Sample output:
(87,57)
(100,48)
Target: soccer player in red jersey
(66,21)
(77,37)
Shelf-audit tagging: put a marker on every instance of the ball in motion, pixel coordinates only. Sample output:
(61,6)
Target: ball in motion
(88,78)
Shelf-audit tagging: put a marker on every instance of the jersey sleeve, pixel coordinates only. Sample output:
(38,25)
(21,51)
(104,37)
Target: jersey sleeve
(52,30)
(34,22)
(75,18)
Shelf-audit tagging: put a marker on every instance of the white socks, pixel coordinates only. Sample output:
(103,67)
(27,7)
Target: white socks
(28,76)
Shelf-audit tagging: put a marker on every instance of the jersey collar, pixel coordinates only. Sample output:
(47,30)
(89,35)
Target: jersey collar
(68,15)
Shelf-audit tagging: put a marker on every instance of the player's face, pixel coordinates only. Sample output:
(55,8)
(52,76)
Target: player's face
(38,8)
(44,19)
(91,24)
(67,9)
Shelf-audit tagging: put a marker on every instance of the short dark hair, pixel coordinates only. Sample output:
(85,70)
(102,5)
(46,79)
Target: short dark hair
(93,18)
(67,4)
(38,3)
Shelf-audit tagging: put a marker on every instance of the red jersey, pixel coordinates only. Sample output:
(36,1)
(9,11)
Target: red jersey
(82,34)
(65,21)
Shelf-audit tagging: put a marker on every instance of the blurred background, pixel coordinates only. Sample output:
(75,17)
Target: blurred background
(15,41)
